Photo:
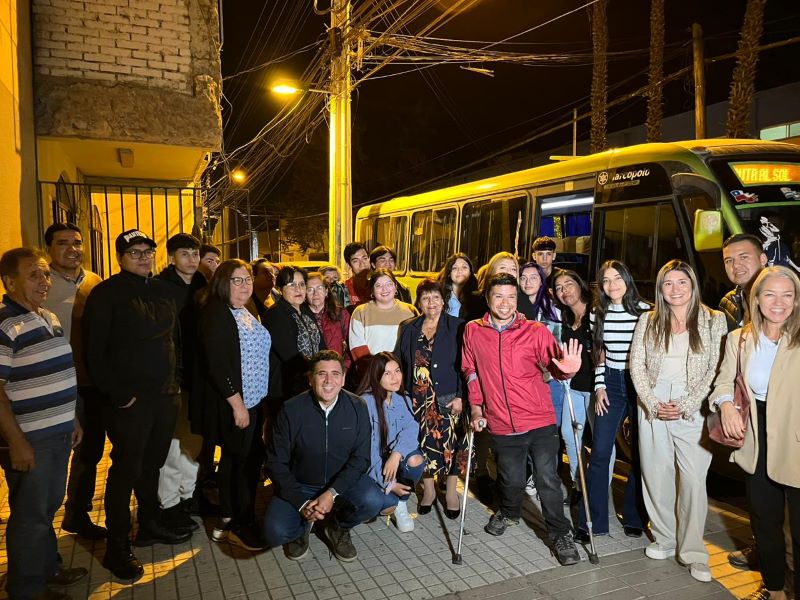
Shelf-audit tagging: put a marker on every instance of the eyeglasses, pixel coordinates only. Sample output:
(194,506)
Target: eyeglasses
(384,286)
(300,285)
(317,289)
(240,281)
(137,254)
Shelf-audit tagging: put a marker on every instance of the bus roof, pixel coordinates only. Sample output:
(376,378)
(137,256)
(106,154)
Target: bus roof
(685,150)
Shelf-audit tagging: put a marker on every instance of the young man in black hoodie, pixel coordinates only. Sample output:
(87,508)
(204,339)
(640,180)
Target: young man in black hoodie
(178,476)
(132,352)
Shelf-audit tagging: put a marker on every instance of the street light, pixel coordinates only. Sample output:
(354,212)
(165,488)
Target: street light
(292,88)
(239,176)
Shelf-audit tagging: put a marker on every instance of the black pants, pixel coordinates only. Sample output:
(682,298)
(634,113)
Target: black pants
(767,501)
(239,469)
(512,453)
(140,438)
(83,468)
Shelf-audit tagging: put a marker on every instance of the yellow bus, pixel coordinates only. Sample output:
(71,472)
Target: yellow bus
(643,204)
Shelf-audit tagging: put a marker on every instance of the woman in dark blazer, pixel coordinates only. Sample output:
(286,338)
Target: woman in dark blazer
(295,339)
(233,378)
(429,349)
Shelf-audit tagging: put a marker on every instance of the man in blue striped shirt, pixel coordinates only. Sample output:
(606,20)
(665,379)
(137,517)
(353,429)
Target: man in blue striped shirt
(38,392)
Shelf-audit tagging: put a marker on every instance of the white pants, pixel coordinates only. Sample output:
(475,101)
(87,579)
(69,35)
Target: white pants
(674,468)
(178,476)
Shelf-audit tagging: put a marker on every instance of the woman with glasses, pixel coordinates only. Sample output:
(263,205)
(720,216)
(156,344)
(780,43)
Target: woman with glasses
(674,357)
(333,321)
(373,326)
(295,338)
(429,348)
(234,374)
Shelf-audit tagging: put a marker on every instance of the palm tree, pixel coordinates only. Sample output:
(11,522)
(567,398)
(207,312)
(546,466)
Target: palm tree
(740,101)
(599,76)
(655,93)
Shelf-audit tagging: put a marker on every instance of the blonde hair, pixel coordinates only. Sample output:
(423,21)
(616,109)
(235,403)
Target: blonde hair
(486,271)
(790,327)
(660,325)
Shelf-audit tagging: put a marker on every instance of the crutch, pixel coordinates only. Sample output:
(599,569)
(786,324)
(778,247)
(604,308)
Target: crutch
(577,433)
(470,439)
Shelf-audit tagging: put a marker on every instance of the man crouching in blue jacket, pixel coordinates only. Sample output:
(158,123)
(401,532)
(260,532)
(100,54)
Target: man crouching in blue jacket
(318,460)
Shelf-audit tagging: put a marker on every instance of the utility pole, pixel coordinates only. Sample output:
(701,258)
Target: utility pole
(340,200)
(699,82)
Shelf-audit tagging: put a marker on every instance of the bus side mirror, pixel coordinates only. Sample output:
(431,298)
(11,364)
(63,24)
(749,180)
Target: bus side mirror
(707,223)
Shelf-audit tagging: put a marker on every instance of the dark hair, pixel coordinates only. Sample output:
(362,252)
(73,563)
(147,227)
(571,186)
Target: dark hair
(9,262)
(543,305)
(744,237)
(630,301)
(567,316)
(428,286)
(544,243)
(325,355)
(380,251)
(371,382)
(220,284)
(377,274)
(331,306)
(179,241)
(467,289)
(500,279)
(206,248)
(286,276)
(50,232)
(351,249)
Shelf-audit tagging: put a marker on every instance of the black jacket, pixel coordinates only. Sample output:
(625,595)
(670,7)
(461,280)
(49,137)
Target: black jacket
(188,315)
(131,336)
(446,357)
(732,306)
(308,448)
(287,366)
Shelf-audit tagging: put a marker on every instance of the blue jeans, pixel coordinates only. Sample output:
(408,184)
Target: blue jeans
(580,403)
(34,497)
(557,396)
(621,403)
(407,475)
(283,523)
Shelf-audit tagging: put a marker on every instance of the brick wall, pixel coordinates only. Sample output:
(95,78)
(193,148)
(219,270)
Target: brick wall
(139,41)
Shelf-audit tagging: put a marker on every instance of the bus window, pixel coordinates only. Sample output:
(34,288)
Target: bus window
(433,239)
(492,226)
(567,218)
(714,281)
(366,232)
(398,239)
(382,234)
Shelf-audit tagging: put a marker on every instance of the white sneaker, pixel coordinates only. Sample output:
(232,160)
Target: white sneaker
(402,519)
(700,572)
(530,487)
(658,552)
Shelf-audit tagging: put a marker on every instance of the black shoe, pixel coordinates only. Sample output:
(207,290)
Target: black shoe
(191,506)
(746,558)
(246,537)
(452,514)
(498,523)
(178,519)
(341,544)
(297,549)
(156,533)
(760,594)
(121,562)
(632,532)
(424,509)
(582,537)
(565,550)
(68,577)
(82,526)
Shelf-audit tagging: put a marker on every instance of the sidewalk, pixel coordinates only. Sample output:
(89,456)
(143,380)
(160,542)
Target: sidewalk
(415,565)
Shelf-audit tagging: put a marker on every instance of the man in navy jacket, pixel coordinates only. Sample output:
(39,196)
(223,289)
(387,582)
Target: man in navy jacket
(318,459)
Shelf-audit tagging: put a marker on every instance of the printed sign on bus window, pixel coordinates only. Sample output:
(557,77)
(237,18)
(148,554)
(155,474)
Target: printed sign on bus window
(790,194)
(741,196)
(777,251)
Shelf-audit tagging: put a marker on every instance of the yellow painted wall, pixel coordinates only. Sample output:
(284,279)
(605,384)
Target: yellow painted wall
(18,206)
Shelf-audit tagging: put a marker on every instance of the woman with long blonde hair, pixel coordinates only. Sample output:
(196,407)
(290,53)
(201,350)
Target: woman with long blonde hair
(674,356)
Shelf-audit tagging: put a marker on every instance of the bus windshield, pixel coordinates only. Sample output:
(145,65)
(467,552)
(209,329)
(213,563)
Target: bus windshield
(766,196)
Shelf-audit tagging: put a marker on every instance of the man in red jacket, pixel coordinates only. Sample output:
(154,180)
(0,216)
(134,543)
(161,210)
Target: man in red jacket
(503,358)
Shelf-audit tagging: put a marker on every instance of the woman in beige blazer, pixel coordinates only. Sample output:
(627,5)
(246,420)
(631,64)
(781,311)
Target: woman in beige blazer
(674,356)
(771,451)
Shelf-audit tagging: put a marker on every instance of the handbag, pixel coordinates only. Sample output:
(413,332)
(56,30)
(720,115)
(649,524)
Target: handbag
(741,400)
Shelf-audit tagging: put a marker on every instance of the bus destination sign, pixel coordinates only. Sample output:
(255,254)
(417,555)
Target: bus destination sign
(759,173)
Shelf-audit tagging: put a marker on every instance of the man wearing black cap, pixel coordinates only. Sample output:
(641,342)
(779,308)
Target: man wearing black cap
(132,333)
(178,476)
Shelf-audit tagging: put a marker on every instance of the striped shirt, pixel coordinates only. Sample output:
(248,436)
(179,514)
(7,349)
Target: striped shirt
(617,335)
(36,371)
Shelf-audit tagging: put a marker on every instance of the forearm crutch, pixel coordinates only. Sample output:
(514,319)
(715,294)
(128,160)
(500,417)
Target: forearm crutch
(470,439)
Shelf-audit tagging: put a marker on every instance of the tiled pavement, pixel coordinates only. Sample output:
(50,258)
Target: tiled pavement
(414,565)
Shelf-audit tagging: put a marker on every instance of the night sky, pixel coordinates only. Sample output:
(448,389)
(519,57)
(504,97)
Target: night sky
(412,127)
